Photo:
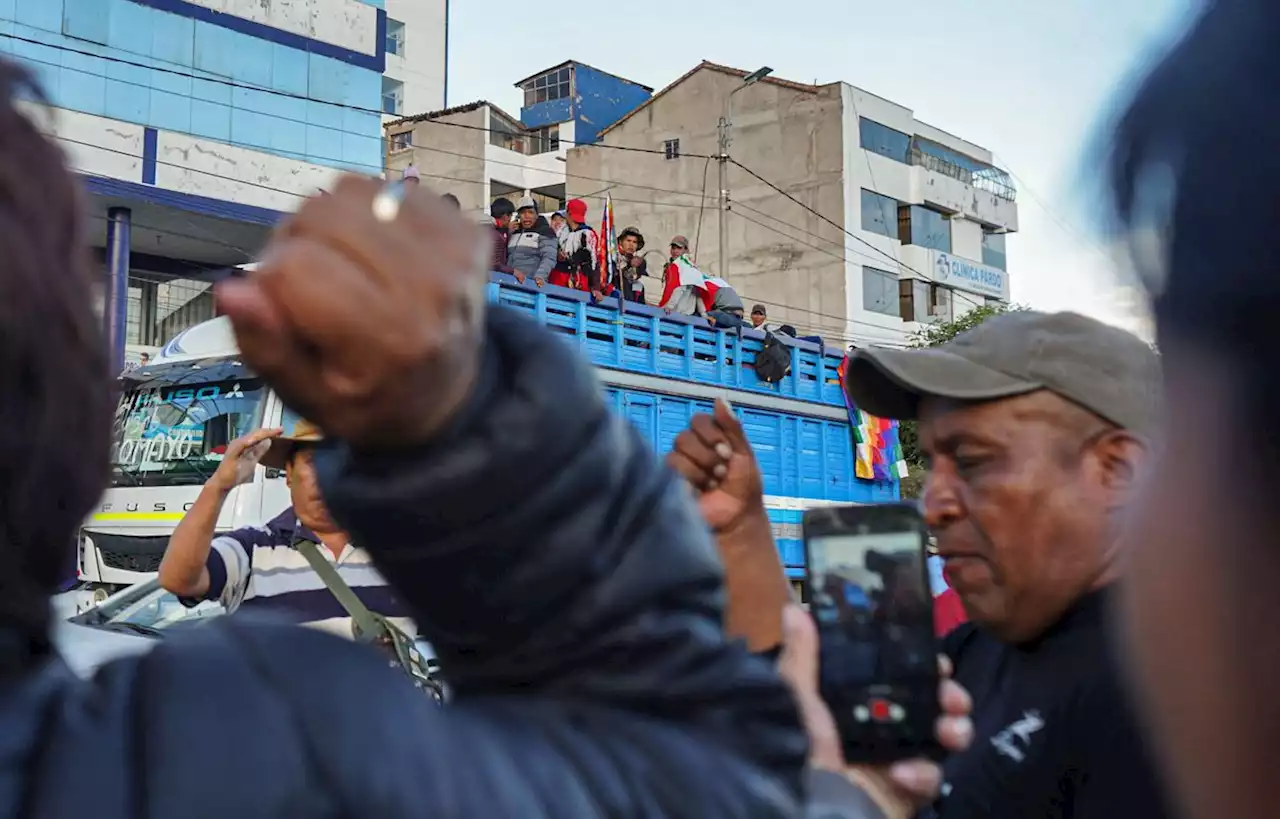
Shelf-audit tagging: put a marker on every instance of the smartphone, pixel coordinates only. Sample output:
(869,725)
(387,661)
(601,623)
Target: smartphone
(870,595)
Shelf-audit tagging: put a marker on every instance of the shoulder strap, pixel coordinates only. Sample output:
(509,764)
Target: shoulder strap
(369,625)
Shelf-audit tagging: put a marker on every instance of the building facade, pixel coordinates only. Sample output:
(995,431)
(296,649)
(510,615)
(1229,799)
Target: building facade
(417,47)
(195,125)
(479,152)
(848,218)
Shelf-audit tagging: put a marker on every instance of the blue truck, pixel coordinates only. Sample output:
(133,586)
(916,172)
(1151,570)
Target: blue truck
(177,414)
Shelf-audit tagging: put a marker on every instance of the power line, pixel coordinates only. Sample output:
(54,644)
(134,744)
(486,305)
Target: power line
(1061,223)
(957,293)
(831,222)
(248,255)
(289,95)
(263,186)
(379,169)
(841,319)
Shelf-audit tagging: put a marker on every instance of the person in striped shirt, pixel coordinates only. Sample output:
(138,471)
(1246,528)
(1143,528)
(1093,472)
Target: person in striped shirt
(259,568)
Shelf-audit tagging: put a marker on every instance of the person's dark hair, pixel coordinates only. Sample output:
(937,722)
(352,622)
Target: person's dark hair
(1191,161)
(55,387)
(501,206)
(452,200)
(1193,167)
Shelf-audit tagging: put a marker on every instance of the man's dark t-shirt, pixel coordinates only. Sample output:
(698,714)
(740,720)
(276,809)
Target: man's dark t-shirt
(1054,733)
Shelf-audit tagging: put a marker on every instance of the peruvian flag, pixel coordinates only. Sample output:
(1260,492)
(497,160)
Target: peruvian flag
(681,273)
(710,285)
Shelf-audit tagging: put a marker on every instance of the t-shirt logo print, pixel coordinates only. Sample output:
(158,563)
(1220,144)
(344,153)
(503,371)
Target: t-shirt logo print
(1015,738)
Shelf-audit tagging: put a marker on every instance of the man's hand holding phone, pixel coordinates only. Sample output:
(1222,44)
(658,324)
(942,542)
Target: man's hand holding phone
(899,789)
(713,454)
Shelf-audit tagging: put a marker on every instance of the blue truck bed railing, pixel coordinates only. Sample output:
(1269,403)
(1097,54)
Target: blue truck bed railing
(644,339)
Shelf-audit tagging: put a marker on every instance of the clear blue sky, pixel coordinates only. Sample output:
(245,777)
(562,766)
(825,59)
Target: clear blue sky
(1031,80)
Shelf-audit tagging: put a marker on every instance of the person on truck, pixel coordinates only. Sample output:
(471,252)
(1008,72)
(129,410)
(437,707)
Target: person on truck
(259,567)
(531,244)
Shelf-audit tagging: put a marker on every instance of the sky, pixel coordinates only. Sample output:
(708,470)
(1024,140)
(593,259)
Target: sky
(1035,82)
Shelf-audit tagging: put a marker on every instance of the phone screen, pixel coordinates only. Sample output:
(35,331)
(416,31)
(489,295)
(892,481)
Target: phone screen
(871,598)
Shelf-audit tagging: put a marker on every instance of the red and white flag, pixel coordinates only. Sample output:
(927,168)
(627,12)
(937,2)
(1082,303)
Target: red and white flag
(681,273)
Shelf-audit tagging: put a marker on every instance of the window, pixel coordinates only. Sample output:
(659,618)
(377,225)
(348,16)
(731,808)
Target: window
(395,37)
(503,133)
(951,163)
(918,225)
(402,141)
(671,149)
(883,140)
(879,214)
(392,96)
(993,249)
(924,301)
(548,87)
(880,291)
(544,140)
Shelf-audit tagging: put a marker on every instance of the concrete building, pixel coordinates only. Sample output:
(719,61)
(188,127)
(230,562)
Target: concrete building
(417,47)
(196,124)
(898,223)
(479,152)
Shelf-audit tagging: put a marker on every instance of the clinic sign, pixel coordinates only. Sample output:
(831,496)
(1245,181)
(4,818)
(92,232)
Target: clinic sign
(963,274)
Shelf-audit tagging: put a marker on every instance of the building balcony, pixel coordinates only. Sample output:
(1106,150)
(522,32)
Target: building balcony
(987,196)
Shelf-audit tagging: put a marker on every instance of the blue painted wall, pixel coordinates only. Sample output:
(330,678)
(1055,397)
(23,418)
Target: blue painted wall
(547,113)
(599,100)
(602,100)
(136,63)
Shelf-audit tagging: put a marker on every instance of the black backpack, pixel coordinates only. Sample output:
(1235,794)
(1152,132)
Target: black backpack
(773,362)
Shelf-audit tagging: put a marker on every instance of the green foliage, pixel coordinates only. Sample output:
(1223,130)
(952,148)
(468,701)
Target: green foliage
(932,336)
(942,332)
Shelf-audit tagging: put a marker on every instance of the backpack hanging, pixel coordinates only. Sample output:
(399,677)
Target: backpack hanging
(773,362)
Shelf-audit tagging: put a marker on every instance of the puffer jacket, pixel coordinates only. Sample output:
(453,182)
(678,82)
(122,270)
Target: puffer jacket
(532,251)
(572,594)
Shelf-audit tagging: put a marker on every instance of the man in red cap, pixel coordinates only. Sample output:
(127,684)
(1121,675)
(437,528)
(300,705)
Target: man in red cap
(579,268)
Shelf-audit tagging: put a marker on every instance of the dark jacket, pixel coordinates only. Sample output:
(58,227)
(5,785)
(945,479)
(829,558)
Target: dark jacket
(568,585)
(500,239)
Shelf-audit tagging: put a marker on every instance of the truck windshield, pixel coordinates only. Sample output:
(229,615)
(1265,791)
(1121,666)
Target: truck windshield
(173,422)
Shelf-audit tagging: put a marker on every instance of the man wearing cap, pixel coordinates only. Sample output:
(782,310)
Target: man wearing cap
(1035,427)
(531,248)
(679,296)
(631,269)
(411,176)
(760,319)
(258,568)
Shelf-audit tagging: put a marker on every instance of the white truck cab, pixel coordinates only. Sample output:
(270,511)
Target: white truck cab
(173,422)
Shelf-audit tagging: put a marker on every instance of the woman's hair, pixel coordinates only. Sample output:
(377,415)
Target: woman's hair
(55,388)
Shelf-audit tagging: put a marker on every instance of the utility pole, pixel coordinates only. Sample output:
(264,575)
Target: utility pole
(723,158)
(726,122)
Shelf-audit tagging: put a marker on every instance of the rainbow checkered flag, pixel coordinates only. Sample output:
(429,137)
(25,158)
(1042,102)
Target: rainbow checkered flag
(877,452)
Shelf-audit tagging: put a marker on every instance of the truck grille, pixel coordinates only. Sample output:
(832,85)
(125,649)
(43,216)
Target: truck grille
(130,553)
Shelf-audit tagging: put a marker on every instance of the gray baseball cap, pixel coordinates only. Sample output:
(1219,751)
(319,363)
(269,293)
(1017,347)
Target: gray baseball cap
(1108,371)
